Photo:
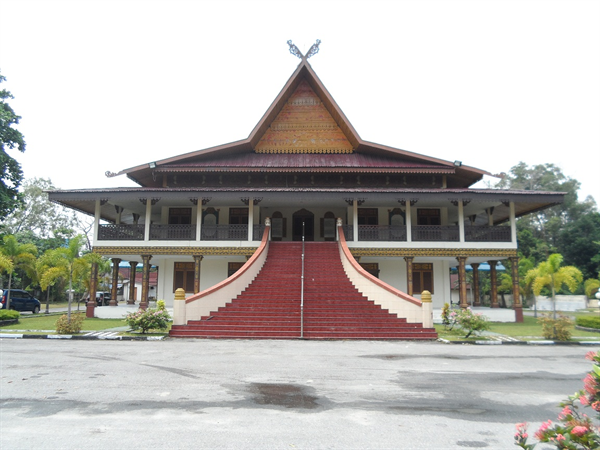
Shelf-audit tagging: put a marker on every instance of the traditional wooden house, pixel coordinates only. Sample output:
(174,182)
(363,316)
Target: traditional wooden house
(305,173)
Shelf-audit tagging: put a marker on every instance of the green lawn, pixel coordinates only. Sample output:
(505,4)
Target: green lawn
(528,330)
(48,322)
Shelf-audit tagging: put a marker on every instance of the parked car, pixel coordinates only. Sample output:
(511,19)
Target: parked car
(21,301)
(102,299)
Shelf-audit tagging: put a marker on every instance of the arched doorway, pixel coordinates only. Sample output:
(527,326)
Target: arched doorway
(306,217)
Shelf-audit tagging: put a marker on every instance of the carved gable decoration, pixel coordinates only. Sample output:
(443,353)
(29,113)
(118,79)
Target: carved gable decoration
(304,126)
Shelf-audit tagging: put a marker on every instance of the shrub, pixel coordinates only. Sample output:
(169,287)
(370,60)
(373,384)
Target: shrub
(588,322)
(151,319)
(9,314)
(63,326)
(446,314)
(469,321)
(558,329)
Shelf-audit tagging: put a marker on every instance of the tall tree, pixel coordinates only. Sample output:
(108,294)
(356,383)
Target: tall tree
(550,274)
(11,174)
(579,243)
(38,215)
(66,263)
(21,256)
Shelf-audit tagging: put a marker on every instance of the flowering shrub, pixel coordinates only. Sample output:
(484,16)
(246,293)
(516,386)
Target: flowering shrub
(446,314)
(151,319)
(575,429)
(469,321)
(558,329)
(63,326)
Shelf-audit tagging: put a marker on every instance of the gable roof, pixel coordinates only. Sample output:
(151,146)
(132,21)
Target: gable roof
(304,119)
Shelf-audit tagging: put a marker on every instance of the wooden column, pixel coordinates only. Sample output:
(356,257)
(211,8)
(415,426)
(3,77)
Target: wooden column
(132,272)
(89,311)
(462,281)
(145,281)
(197,261)
(517,305)
(115,281)
(477,298)
(409,274)
(494,285)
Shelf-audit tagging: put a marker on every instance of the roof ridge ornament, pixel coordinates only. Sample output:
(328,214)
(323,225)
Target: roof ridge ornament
(313,50)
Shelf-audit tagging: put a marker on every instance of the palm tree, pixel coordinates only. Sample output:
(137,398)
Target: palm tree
(550,274)
(65,263)
(19,256)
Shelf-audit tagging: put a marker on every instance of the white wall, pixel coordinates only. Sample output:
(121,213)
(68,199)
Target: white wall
(393,272)
(213,270)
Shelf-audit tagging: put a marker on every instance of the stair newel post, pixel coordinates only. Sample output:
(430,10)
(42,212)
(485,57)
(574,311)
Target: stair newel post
(427,309)
(302,289)
(179,308)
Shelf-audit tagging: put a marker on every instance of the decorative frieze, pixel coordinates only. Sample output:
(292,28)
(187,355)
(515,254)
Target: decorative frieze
(206,251)
(433,252)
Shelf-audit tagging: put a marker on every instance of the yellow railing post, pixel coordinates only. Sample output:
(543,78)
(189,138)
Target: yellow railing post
(427,309)
(179,308)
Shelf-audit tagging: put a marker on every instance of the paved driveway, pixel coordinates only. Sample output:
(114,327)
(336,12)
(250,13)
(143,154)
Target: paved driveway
(184,394)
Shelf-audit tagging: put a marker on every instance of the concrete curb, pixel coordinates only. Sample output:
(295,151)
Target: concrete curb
(82,338)
(573,343)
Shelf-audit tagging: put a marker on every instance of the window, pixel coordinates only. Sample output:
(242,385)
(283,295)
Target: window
(372,268)
(183,276)
(233,267)
(368,216)
(278,226)
(328,226)
(238,216)
(428,217)
(422,277)
(180,216)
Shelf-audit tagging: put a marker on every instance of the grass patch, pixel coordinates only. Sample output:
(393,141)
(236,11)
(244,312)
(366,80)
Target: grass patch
(529,330)
(48,322)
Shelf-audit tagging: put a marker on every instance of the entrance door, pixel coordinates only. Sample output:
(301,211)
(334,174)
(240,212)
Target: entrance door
(306,217)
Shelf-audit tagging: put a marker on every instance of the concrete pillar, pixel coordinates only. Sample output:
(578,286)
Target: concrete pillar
(494,285)
(355,220)
(145,281)
(197,261)
(408,221)
(409,275)
(476,296)
(89,310)
(132,272)
(115,281)
(517,305)
(250,218)
(148,219)
(461,221)
(462,281)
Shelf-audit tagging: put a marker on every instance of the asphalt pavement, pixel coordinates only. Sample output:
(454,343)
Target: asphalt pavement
(243,394)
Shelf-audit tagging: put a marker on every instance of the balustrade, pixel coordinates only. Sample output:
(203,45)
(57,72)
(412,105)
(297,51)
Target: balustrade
(487,234)
(435,233)
(381,233)
(172,232)
(224,232)
(120,232)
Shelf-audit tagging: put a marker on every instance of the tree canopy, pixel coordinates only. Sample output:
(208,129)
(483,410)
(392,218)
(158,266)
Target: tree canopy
(11,174)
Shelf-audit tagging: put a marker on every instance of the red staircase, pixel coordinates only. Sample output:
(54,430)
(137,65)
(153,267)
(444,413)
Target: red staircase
(333,309)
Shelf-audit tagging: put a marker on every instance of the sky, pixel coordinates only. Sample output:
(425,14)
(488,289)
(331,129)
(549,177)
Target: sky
(107,85)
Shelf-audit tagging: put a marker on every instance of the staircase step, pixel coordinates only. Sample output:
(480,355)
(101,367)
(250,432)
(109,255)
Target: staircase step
(269,308)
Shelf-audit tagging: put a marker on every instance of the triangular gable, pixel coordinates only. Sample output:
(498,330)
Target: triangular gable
(304,126)
(303,119)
